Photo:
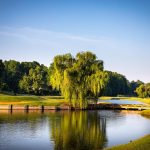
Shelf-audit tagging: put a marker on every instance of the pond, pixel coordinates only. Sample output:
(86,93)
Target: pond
(64,130)
(115,101)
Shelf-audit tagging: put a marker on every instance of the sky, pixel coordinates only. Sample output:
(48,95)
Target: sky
(117,31)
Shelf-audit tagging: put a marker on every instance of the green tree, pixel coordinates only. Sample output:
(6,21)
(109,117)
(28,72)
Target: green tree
(25,77)
(36,81)
(12,74)
(75,77)
(3,85)
(25,84)
(1,68)
(26,66)
(134,85)
(143,90)
(117,85)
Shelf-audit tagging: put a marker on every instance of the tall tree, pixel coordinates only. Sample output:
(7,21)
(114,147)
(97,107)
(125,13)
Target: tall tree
(74,77)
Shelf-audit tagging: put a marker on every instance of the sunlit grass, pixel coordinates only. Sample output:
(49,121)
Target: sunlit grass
(52,100)
(146,112)
(140,144)
(31,100)
(145,100)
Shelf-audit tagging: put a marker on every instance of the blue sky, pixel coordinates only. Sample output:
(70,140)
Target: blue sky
(117,31)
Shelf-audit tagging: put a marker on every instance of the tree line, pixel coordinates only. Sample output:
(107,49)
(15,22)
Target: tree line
(76,78)
(25,78)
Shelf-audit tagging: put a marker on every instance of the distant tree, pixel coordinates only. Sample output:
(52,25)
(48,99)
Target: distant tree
(134,85)
(143,90)
(12,74)
(36,81)
(25,84)
(1,68)
(26,66)
(75,77)
(117,85)
(3,85)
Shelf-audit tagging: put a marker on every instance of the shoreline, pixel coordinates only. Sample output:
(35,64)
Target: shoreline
(99,106)
(142,143)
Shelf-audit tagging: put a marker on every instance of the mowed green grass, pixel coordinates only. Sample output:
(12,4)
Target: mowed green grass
(6,99)
(140,144)
(31,100)
(144,100)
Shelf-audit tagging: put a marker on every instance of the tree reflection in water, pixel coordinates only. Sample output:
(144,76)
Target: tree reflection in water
(79,131)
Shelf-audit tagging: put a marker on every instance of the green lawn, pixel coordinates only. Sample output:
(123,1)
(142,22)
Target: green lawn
(31,100)
(140,144)
(51,100)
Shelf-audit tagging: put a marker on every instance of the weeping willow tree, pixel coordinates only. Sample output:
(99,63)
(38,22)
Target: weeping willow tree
(77,77)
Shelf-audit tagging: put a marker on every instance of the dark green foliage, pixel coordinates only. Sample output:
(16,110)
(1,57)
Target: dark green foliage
(117,85)
(2,75)
(26,66)
(76,77)
(35,82)
(12,75)
(134,85)
(1,68)
(25,77)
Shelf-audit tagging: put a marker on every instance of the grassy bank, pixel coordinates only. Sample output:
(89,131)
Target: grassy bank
(31,100)
(144,100)
(146,113)
(140,144)
(52,100)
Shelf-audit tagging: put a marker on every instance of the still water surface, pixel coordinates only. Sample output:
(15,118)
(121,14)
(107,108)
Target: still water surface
(63,130)
(115,101)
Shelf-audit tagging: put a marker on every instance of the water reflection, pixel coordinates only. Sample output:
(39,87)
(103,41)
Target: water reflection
(22,131)
(63,130)
(79,131)
(115,101)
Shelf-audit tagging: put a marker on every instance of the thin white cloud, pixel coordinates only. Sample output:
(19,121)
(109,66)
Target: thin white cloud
(47,36)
